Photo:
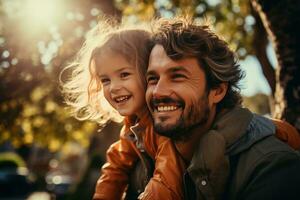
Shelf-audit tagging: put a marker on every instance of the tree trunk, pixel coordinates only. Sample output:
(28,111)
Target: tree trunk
(280,18)
(260,43)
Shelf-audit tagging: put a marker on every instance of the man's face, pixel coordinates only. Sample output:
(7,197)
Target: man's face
(176,94)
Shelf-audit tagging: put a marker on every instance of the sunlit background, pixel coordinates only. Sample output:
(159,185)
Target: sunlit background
(40,24)
(39,37)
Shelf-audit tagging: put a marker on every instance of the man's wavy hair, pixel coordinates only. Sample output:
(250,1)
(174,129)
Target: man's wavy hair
(181,38)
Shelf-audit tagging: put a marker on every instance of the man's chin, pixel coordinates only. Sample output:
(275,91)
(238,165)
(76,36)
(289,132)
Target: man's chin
(176,132)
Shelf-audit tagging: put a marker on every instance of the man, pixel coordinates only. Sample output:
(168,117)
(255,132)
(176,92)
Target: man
(194,99)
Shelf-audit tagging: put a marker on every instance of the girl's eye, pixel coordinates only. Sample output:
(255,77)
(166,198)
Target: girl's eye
(105,81)
(124,74)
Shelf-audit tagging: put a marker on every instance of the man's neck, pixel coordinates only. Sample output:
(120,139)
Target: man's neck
(187,147)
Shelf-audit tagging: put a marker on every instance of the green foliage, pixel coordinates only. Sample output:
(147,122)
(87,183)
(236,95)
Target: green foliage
(258,103)
(33,54)
(34,50)
(231,19)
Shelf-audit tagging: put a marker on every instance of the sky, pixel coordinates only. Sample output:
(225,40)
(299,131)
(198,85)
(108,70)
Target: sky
(254,81)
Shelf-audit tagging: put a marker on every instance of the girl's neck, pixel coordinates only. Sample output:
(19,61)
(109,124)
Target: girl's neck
(141,113)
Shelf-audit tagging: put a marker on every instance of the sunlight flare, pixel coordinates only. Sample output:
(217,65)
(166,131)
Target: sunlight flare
(40,13)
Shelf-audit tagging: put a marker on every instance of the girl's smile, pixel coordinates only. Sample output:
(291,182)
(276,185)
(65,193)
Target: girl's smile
(122,99)
(121,84)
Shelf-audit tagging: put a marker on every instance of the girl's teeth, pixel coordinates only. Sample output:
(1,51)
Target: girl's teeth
(121,98)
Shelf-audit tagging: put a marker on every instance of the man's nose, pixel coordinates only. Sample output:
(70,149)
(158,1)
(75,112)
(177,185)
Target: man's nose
(161,89)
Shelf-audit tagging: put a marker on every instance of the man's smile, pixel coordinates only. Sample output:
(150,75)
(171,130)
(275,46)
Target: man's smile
(166,108)
(166,105)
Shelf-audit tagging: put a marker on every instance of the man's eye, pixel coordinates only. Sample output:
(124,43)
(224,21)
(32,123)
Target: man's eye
(124,74)
(178,76)
(152,79)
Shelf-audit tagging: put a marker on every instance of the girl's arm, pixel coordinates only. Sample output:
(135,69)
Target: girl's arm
(167,180)
(121,157)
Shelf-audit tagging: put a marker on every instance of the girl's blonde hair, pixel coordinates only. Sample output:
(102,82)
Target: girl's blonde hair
(82,89)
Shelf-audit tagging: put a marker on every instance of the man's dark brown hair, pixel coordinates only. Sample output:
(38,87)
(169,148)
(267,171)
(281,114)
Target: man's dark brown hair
(181,38)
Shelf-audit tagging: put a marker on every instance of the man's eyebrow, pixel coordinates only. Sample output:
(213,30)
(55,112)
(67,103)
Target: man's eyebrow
(151,72)
(177,69)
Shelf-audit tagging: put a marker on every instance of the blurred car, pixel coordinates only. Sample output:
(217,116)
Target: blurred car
(58,183)
(15,180)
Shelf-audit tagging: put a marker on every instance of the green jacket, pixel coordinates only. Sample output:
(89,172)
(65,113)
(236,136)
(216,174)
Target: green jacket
(240,158)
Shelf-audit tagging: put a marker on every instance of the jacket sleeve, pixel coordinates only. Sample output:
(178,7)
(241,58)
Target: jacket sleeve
(167,179)
(274,177)
(121,157)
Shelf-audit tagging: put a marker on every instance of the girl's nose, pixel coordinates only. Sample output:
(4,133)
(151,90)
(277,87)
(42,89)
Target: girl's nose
(115,86)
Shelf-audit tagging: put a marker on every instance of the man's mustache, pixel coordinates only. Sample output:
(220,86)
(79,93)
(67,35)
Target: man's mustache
(166,100)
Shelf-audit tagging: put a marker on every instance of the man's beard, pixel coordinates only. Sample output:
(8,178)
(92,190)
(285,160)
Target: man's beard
(182,130)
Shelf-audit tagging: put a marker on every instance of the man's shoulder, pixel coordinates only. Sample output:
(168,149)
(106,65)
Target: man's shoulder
(269,147)
(265,162)
(268,150)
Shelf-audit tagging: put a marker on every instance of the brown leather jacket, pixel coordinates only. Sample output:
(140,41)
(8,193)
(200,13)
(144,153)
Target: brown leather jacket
(166,182)
(287,133)
(167,179)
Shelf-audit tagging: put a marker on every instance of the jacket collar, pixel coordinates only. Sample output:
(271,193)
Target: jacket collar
(136,129)
(232,132)
(241,129)
(258,128)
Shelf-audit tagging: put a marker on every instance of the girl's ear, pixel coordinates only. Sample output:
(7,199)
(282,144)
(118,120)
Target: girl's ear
(216,95)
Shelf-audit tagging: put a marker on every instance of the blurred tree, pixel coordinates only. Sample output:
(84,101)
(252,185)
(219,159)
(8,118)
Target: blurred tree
(37,39)
(258,103)
(280,18)
(232,19)
(32,54)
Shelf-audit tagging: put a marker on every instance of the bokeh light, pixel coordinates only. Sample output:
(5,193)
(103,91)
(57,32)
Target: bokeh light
(40,13)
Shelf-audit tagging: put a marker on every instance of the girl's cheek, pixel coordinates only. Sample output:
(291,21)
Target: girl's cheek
(106,94)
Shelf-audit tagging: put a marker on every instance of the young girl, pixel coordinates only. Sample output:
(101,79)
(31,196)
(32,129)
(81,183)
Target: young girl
(111,68)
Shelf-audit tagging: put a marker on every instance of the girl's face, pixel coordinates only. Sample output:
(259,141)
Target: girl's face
(121,85)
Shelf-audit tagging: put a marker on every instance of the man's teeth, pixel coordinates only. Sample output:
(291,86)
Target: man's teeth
(166,108)
(123,98)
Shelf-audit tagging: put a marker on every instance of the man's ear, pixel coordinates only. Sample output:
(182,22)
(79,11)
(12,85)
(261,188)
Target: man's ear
(218,94)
